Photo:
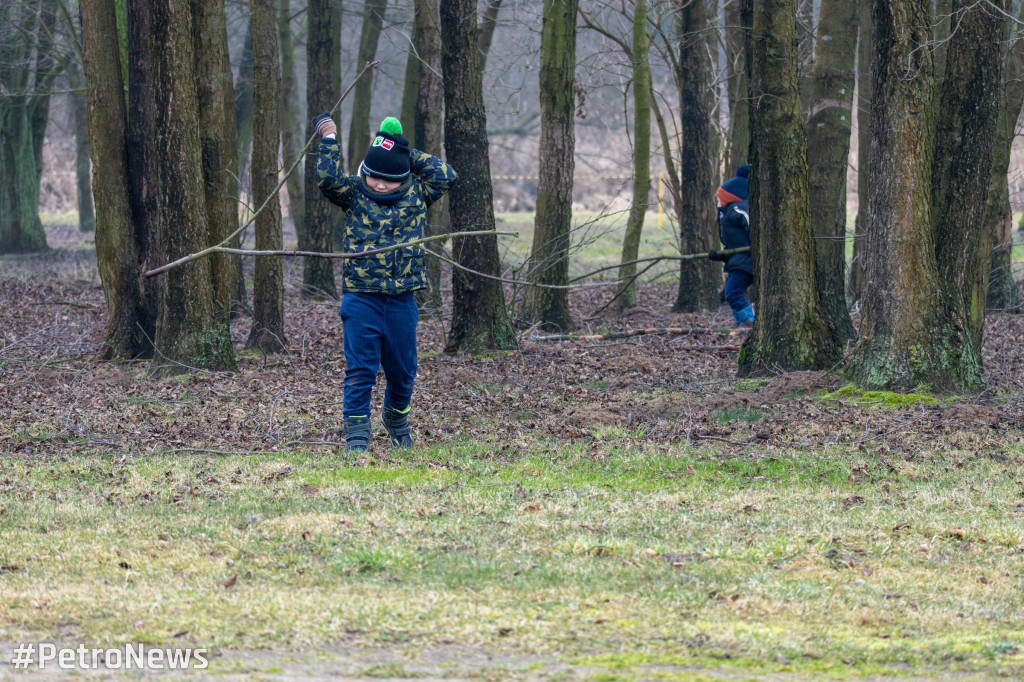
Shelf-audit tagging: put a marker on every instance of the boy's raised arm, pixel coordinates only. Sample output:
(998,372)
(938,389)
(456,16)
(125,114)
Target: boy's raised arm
(437,176)
(330,176)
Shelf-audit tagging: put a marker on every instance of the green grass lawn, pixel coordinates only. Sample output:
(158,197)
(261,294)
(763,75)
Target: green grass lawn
(614,557)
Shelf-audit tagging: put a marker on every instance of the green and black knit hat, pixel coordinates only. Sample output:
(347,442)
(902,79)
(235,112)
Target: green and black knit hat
(388,156)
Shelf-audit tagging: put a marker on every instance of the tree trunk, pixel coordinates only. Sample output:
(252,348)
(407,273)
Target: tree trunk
(828,148)
(639,58)
(488,23)
(411,82)
(479,318)
(901,276)
(322,47)
(922,247)
(698,283)
(1003,294)
(739,119)
(790,331)
(236,278)
(865,55)
(117,253)
(27,72)
(805,49)
(549,257)
(83,170)
(969,108)
(289,143)
(210,48)
(267,333)
(143,158)
(428,119)
(243,107)
(191,330)
(359,126)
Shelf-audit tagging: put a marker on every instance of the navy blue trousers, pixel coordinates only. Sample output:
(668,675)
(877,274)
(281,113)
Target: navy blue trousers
(379,330)
(735,288)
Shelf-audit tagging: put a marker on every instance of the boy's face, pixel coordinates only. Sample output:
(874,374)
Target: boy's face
(381,185)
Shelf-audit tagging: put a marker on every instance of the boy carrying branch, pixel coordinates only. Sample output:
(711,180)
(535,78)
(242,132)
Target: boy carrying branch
(386,204)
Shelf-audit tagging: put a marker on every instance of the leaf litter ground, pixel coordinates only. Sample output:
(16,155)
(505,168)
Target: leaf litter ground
(572,510)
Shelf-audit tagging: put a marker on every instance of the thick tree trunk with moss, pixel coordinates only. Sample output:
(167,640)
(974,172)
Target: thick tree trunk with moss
(117,253)
(322,48)
(641,156)
(921,297)
(1003,294)
(479,318)
(698,283)
(191,329)
(790,331)
(267,334)
(289,110)
(359,125)
(969,108)
(828,148)
(210,48)
(549,257)
(739,114)
(865,55)
(27,70)
(428,119)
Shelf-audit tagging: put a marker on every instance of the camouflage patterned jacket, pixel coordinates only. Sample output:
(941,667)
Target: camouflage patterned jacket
(375,221)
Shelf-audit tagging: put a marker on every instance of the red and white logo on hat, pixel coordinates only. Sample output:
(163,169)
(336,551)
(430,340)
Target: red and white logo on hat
(387,144)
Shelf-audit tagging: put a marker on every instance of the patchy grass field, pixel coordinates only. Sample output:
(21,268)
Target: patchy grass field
(576,511)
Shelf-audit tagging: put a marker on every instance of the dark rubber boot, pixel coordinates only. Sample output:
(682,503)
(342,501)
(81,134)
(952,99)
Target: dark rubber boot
(357,434)
(397,425)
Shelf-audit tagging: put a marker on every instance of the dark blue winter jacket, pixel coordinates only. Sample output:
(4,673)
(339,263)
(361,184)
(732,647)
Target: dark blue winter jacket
(734,231)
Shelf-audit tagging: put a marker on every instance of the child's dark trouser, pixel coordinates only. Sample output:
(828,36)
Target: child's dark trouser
(735,288)
(379,330)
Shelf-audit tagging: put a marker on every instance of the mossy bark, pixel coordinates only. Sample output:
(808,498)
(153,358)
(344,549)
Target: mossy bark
(790,331)
(322,50)
(828,148)
(970,104)
(479,318)
(359,130)
(639,60)
(698,280)
(549,257)
(267,334)
(922,303)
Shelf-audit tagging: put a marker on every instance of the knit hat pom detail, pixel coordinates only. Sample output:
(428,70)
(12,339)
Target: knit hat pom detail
(391,126)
